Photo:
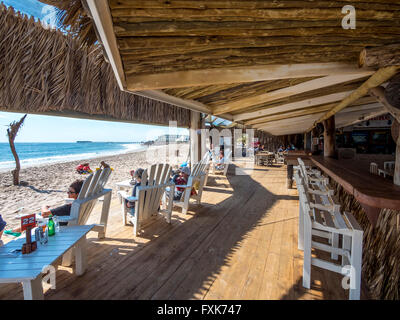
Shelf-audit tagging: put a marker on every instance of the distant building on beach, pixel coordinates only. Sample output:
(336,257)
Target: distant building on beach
(167,138)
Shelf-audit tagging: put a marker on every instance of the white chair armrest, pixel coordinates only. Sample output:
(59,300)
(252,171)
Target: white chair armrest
(183,186)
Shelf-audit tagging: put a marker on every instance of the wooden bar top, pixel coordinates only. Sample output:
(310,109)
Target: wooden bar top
(369,189)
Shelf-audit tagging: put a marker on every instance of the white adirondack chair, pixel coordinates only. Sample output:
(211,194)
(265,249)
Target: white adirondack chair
(81,208)
(227,160)
(207,162)
(197,175)
(148,197)
(317,218)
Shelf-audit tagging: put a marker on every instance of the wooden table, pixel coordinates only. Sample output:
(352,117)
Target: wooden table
(269,155)
(125,185)
(28,268)
(373,192)
(290,161)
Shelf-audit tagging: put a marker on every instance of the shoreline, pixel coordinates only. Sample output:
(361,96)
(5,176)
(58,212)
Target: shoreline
(46,184)
(41,164)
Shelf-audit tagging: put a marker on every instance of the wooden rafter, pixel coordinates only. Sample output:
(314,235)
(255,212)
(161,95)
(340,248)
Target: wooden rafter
(214,76)
(290,91)
(307,111)
(260,114)
(379,77)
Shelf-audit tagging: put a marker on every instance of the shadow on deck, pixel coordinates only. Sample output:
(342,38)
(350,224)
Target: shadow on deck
(241,243)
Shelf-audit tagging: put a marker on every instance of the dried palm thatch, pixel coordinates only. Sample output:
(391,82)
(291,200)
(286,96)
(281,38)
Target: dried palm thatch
(47,72)
(381,247)
(73,16)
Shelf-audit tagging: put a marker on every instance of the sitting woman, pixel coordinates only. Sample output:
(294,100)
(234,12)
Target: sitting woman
(137,176)
(182,179)
(220,162)
(64,210)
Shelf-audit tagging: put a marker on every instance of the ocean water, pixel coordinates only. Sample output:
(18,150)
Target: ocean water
(32,154)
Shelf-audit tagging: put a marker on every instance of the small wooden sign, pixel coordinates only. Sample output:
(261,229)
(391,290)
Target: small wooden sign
(28,222)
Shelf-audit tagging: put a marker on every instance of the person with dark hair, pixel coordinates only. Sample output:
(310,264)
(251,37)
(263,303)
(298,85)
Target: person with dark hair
(64,210)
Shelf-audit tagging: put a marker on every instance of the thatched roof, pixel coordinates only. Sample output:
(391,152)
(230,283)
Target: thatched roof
(47,72)
(275,65)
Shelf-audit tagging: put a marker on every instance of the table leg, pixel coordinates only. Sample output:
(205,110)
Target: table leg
(80,256)
(33,289)
(289,176)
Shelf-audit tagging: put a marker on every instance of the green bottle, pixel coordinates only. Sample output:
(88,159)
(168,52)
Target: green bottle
(51,226)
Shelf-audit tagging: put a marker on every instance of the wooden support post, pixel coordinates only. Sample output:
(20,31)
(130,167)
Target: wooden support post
(194,137)
(329,137)
(289,176)
(285,140)
(396,138)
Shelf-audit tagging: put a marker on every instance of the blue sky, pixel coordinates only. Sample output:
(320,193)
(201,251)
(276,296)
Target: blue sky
(59,129)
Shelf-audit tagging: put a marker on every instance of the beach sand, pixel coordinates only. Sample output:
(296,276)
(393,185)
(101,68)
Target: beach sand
(47,184)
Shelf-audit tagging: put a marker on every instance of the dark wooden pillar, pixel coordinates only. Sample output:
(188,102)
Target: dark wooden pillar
(329,137)
(396,138)
(285,140)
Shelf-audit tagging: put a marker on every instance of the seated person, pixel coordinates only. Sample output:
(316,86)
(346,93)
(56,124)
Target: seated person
(137,176)
(220,162)
(281,149)
(83,168)
(175,174)
(182,180)
(64,210)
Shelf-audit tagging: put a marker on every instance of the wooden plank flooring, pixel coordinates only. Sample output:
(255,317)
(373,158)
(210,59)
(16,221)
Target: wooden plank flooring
(241,243)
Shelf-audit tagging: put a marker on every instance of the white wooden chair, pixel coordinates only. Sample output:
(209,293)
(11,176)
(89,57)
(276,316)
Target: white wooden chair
(92,190)
(325,220)
(373,168)
(227,160)
(197,176)
(148,197)
(279,159)
(206,160)
(388,166)
(322,198)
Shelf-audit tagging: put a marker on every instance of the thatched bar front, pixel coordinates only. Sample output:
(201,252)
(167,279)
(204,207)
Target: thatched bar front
(47,72)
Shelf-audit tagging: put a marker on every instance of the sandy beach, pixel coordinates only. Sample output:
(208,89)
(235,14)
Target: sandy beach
(47,184)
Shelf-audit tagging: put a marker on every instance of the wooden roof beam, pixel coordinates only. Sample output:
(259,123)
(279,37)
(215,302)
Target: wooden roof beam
(259,115)
(362,117)
(307,111)
(311,85)
(295,121)
(187,104)
(101,15)
(192,78)
(379,77)
(379,94)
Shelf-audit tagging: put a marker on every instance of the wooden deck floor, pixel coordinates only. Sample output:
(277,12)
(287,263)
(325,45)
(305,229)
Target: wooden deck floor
(241,243)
